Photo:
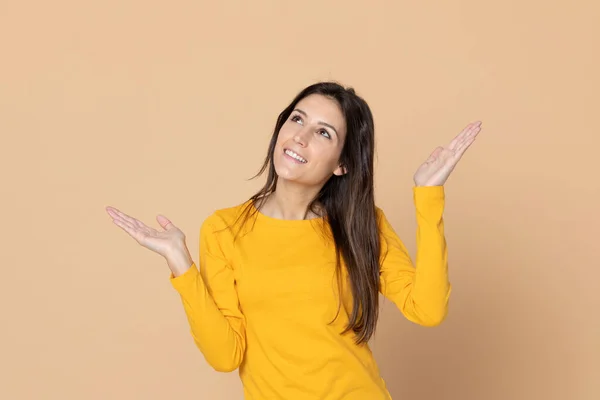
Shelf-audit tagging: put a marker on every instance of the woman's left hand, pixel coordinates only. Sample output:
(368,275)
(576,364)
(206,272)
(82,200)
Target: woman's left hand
(437,168)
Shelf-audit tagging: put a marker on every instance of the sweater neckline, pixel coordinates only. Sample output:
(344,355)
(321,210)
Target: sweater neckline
(291,223)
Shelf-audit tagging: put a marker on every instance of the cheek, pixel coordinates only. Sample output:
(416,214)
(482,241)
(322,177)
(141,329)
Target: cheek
(285,133)
(327,158)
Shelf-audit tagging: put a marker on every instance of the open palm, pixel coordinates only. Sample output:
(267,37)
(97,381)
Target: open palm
(442,161)
(162,242)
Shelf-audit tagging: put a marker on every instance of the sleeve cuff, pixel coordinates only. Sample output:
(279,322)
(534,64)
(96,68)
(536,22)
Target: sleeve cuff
(429,192)
(429,200)
(182,280)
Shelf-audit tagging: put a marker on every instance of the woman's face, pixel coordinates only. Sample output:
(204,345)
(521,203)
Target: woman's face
(310,142)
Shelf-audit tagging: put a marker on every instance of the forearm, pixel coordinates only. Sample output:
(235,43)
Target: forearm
(218,336)
(431,287)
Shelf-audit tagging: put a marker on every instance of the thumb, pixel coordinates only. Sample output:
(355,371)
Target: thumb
(164,221)
(435,154)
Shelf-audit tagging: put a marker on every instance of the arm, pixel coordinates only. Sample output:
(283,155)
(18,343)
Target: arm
(420,291)
(210,300)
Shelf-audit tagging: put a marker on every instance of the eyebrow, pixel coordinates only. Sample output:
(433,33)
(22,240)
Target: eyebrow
(319,122)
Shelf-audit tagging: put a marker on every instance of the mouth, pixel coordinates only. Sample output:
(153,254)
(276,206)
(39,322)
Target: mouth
(295,156)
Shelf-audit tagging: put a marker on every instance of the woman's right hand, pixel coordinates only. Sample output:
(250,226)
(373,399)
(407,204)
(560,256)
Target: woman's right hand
(164,242)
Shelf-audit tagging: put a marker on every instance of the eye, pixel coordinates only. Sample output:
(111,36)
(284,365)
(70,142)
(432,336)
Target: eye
(296,118)
(325,133)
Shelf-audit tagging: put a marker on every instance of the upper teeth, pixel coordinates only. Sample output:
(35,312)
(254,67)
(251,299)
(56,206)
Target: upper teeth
(294,155)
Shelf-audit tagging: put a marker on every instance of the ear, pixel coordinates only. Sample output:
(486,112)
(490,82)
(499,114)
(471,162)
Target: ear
(340,170)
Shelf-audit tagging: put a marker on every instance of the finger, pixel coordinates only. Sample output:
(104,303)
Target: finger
(458,138)
(111,212)
(459,151)
(122,215)
(464,139)
(127,227)
(127,224)
(475,129)
(466,132)
(163,221)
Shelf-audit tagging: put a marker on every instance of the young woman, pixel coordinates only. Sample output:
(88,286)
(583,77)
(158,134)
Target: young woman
(288,282)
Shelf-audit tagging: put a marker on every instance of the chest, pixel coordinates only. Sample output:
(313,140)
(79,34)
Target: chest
(286,271)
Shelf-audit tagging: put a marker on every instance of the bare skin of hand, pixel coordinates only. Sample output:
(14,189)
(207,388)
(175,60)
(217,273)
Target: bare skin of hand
(165,242)
(442,161)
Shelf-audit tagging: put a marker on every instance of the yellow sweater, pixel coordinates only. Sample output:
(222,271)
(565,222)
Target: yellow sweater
(265,303)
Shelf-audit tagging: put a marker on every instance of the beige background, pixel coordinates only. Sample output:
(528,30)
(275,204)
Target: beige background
(167,107)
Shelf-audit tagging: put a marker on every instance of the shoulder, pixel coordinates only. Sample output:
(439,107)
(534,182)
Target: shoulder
(383,224)
(225,218)
(380,216)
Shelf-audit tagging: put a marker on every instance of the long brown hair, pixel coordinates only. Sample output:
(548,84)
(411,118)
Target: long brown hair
(347,202)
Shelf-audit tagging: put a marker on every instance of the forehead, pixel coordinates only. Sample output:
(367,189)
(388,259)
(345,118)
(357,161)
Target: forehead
(324,109)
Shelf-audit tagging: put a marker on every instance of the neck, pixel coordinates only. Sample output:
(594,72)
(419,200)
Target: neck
(290,201)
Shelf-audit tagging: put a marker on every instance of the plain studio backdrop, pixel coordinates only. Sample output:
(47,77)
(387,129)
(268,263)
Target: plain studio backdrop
(168,107)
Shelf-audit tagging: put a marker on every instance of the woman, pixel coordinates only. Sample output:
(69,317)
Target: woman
(289,280)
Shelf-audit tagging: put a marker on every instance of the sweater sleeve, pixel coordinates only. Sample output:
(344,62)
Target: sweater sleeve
(210,300)
(421,291)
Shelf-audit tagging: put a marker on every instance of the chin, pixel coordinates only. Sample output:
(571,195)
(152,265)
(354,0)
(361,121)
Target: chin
(286,174)
(294,174)
(285,171)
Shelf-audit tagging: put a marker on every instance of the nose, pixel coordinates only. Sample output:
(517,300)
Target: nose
(301,137)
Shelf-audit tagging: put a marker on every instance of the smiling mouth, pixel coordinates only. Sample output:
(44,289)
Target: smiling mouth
(295,156)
